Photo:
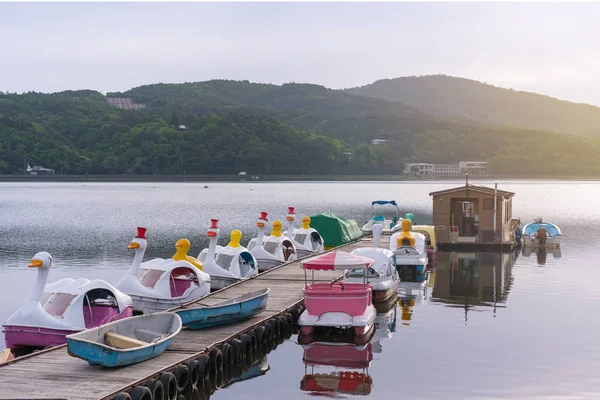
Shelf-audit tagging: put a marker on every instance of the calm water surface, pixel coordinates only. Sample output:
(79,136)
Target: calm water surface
(486,326)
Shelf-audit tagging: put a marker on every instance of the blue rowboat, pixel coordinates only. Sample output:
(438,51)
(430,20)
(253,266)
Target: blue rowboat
(225,312)
(127,341)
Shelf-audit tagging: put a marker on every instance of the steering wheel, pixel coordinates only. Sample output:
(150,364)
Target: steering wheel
(337,283)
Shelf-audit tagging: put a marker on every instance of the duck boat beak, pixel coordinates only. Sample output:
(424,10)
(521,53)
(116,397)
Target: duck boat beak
(36,263)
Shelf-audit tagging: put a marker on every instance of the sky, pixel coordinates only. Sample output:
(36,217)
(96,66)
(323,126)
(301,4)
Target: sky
(548,48)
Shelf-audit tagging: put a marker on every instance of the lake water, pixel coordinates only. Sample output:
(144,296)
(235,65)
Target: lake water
(486,326)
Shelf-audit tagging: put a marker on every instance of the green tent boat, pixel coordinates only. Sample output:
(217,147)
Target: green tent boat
(334,229)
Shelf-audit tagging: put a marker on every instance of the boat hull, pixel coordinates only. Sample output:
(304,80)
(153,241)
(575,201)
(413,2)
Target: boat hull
(28,336)
(360,324)
(381,296)
(85,345)
(147,305)
(304,253)
(553,241)
(267,264)
(98,355)
(220,282)
(200,318)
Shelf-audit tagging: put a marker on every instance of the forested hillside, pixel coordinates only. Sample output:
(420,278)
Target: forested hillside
(464,98)
(263,129)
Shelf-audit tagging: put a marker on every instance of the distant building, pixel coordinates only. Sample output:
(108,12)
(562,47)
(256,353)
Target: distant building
(463,167)
(39,170)
(473,167)
(378,141)
(420,169)
(182,127)
(242,173)
(124,103)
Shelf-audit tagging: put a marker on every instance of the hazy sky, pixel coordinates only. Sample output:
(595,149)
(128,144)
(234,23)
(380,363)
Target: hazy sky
(550,48)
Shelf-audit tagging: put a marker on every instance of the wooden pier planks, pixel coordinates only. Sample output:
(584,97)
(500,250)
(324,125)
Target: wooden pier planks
(56,375)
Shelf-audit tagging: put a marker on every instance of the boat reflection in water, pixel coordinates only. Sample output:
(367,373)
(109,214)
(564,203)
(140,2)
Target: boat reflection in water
(259,368)
(337,368)
(473,279)
(385,325)
(541,253)
(411,294)
(334,364)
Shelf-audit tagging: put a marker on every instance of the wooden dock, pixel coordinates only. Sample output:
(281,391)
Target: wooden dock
(54,374)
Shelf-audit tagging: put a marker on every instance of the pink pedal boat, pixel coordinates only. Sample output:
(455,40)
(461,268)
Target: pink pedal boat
(337,304)
(53,311)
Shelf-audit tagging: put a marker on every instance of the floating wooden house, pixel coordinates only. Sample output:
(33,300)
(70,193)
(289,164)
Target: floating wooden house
(472,217)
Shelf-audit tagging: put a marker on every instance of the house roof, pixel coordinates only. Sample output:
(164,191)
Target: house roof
(480,189)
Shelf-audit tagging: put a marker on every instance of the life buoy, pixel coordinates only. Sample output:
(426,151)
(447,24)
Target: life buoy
(156,389)
(170,385)
(140,393)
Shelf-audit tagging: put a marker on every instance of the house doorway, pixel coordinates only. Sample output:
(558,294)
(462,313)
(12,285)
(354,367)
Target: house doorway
(465,215)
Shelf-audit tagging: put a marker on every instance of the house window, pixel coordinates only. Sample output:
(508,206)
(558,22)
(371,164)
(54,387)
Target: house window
(488,204)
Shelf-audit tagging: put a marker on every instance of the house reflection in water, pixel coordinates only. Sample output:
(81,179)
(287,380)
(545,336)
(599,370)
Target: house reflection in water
(473,279)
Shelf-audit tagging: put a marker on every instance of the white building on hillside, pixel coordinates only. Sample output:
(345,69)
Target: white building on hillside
(463,167)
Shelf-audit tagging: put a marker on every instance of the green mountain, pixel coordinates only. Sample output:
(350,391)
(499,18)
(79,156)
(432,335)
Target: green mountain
(233,126)
(302,106)
(447,96)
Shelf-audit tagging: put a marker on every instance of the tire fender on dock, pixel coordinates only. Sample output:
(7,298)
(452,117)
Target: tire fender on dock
(196,395)
(182,376)
(247,346)
(170,385)
(156,389)
(216,364)
(193,367)
(140,393)
(122,396)
(237,348)
(227,361)
(203,368)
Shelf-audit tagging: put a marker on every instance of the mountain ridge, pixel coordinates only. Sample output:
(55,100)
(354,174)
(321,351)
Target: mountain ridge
(448,96)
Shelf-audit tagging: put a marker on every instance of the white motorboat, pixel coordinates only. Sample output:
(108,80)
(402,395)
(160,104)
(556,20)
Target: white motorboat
(539,233)
(389,225)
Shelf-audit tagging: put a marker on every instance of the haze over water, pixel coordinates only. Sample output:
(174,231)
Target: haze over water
(535,341)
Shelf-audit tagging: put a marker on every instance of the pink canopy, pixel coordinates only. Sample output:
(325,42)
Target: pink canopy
(337,259)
